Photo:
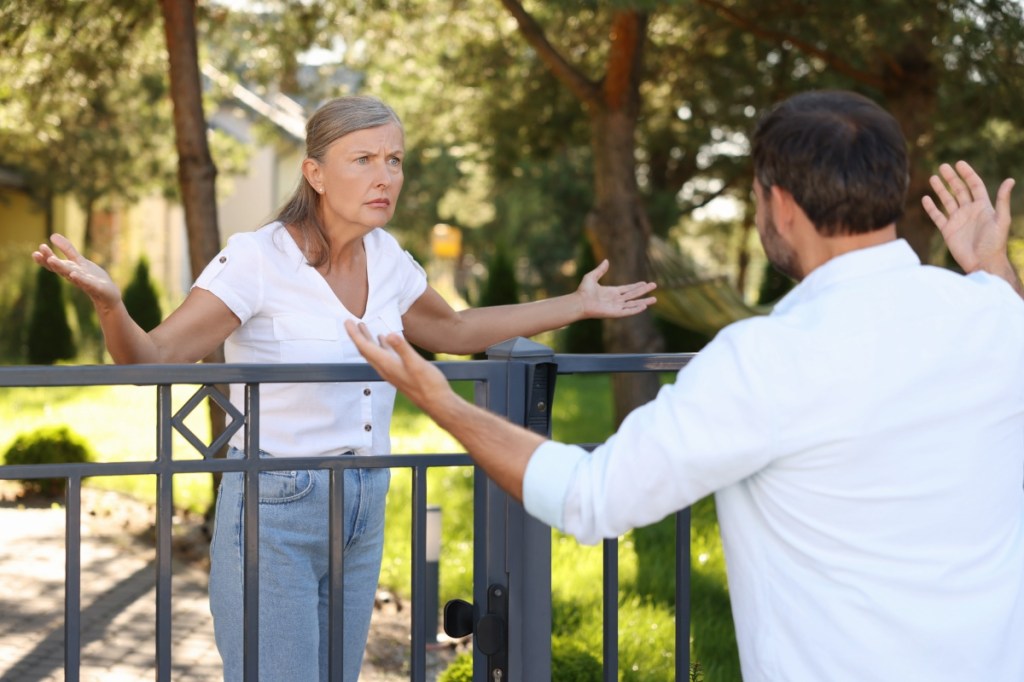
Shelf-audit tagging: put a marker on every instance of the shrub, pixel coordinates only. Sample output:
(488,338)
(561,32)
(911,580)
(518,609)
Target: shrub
(584,336)
(141,299)
(16,287)
(501,287)
(49,335)
(570,662)
(48,445)
(460,670)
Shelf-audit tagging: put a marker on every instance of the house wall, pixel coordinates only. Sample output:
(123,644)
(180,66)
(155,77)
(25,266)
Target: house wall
(22,221)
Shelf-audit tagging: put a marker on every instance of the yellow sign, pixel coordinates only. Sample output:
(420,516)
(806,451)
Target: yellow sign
(446,241)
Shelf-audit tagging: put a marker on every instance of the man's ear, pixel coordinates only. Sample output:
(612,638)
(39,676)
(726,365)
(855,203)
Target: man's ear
(783,207)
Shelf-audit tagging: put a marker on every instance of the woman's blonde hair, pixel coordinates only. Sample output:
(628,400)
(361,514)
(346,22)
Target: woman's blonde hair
(331,121)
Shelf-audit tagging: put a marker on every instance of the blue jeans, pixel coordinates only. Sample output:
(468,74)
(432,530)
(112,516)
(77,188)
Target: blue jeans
(294,578)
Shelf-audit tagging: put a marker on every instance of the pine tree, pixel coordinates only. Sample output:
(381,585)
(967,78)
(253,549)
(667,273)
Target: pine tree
(584,336)
(49,335)
(141,298)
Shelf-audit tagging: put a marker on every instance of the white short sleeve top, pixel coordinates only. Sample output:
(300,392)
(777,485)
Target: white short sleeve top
(289,314)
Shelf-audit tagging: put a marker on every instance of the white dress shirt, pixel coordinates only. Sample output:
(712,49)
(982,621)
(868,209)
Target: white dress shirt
(865,443)
(289,314)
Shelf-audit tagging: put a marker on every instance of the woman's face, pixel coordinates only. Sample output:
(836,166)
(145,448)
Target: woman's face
(361,177)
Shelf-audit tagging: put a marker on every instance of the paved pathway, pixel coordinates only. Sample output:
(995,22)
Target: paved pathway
(118,606)
(118,617)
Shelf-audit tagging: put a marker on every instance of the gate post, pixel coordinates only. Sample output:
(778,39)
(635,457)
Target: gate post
(517,556)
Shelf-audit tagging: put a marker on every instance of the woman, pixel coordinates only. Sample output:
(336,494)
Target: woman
(282,294)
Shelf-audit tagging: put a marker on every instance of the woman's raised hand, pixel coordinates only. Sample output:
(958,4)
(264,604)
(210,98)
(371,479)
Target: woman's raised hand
(613,301)
(79,270)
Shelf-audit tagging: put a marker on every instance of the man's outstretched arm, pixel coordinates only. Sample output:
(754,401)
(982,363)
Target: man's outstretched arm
(975,231)
(502,449)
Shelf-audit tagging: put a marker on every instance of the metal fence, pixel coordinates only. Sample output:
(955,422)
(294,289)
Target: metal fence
(510,613)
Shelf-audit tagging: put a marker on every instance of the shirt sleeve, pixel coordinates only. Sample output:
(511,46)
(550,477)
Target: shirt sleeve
(708,430)
(414,282)
(235,276)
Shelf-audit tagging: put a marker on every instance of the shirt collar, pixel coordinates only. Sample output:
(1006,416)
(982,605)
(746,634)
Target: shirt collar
(865,262)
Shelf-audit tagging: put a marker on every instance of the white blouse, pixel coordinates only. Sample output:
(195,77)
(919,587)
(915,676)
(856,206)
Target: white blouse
(289,314)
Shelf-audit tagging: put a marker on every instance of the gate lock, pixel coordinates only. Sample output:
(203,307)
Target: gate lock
(490,632)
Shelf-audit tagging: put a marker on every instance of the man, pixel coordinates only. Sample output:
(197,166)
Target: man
(864,442)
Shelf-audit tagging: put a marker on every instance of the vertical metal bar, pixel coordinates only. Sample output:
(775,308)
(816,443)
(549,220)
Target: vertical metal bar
(73,578)
(336,567)
(683,594)
(610,551)
(488,515)
(251,537)
(165,514)
(418,663)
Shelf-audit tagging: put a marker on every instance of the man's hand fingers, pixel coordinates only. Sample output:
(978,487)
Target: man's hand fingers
(972,180)
(937,216)
(949,204)
(1003,202)
(361,336)
(399,345)
(956,184)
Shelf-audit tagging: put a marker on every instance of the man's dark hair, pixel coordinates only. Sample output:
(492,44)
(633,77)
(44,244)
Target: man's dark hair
(841,156)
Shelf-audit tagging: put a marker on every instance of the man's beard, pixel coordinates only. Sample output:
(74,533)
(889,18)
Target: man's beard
(780,254)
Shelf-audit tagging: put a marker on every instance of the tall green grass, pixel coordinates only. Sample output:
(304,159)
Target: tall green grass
(120,424)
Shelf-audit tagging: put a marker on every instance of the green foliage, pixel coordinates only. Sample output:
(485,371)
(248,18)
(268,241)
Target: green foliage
(49,335)
(570,662)
(679,339)
(141,298)
(501,287)
(48,445)
(16,287)
(774,285)
(83,98)
(459,670)
(655,547)
(585,336)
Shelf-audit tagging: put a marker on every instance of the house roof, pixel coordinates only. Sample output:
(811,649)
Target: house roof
(11,178)
(282,111)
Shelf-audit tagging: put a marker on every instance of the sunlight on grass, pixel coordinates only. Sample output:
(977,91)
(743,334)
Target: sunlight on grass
(119,424)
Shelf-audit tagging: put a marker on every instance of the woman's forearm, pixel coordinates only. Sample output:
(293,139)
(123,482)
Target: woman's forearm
(126,341)
(481,328)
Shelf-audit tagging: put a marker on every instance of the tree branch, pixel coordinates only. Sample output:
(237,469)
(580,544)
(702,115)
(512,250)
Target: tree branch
(585,89)
(840,65)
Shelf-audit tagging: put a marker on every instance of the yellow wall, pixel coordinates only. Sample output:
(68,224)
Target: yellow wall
(22,221)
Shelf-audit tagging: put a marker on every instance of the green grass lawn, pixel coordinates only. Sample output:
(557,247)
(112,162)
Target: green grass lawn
(119,423)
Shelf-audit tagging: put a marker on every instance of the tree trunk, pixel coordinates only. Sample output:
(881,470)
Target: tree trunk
(618,229)
(196,172)
(911,92)
(617,226)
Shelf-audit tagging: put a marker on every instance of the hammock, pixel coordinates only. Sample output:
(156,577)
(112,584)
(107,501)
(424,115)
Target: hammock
(690,300)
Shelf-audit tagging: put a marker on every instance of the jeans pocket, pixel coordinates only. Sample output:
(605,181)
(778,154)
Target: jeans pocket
(277,487)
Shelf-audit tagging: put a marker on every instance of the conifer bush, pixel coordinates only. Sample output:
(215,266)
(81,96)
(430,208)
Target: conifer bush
(49,334)
(141,298)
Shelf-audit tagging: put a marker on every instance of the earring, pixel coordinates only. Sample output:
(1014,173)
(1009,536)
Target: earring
(320,189)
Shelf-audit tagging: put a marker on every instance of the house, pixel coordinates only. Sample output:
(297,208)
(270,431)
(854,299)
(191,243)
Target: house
(271,128)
